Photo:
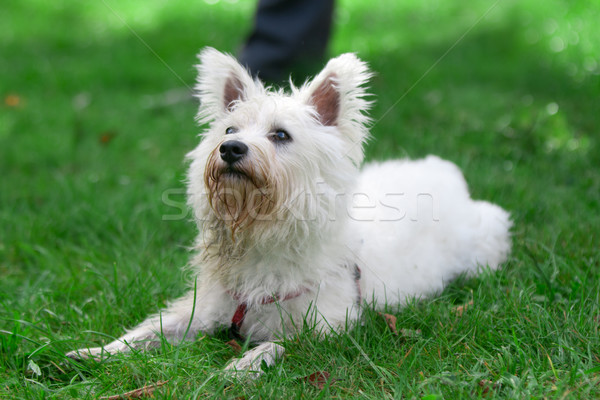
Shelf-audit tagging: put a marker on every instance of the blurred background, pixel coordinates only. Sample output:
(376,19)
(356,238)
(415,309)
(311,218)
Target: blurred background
(96,117)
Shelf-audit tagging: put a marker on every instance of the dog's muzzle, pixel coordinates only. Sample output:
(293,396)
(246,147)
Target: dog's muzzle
(233,151)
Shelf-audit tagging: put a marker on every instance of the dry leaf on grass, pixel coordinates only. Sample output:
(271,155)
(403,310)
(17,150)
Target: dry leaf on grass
(235,346)
(487,386)
(460,309)
(106,137)
(318,379)
(146,391)
(12,100)
(391,322)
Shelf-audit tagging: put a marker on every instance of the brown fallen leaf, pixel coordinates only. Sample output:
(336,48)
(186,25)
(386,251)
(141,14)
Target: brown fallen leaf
(487,386)
(391,322)
(107,137)
(12,100)
(460,309)
(146,391)
(235,346)
(318,379)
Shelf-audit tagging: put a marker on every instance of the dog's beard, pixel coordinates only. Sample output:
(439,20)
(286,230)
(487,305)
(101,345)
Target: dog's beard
(242,194)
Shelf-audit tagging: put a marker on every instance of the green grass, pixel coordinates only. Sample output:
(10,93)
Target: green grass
(88,154)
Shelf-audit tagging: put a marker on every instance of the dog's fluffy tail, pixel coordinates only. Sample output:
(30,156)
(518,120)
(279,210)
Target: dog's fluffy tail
(492,241)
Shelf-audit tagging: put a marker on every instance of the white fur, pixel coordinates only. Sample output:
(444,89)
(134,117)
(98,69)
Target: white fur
(249,366)
(409,225)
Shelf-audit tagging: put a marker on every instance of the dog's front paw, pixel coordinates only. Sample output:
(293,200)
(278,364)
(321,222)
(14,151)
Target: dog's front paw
(96,353)
(99,353)
(249,366)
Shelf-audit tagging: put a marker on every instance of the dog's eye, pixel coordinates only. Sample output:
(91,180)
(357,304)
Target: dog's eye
(281,136)
(230,130)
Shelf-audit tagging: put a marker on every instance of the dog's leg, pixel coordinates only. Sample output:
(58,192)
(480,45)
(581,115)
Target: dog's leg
(143,336)
(249,365)
(182,320)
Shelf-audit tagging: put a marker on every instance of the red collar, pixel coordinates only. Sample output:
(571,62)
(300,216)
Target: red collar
(240,312)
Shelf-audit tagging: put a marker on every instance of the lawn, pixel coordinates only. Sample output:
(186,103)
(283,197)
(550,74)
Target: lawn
(95,121)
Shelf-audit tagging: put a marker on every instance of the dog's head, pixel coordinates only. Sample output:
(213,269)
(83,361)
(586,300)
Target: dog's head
(267,154)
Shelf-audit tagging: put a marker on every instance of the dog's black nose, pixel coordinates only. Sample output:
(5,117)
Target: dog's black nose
(233,151)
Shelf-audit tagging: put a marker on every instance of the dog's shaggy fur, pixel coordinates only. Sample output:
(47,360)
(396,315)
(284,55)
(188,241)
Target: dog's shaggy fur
(288,220)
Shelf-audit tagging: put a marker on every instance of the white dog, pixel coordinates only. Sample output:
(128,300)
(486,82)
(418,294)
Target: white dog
(293,233)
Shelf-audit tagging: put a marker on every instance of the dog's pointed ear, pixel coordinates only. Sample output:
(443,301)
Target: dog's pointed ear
(338,95)
(326,100)
(221,83)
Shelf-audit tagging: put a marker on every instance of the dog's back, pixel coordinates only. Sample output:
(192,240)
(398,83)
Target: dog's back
(414,228)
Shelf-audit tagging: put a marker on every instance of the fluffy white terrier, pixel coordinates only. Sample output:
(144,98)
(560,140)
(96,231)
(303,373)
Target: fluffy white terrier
(293,233)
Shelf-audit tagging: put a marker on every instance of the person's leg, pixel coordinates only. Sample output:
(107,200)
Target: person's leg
(287,34)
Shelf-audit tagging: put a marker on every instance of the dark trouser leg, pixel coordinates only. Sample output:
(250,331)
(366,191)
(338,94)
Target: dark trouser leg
(287,34)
